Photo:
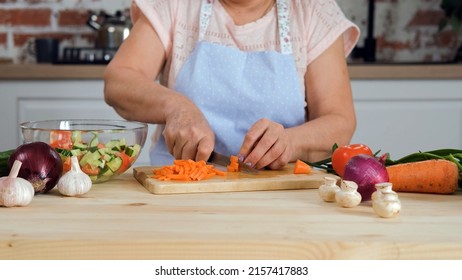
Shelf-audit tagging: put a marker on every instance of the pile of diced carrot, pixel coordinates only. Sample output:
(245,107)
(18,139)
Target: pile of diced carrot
(187,170)
(233,165)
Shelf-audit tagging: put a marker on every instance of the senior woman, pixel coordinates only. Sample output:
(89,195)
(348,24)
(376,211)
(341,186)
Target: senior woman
(263,79)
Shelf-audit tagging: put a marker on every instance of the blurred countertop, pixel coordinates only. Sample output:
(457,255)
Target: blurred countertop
(357,71)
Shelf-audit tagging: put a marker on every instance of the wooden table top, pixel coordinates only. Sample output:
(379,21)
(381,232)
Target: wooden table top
(120,219)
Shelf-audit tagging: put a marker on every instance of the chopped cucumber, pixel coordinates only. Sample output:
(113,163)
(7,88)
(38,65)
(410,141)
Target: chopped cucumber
(102,164)
(106,154)
(91,158)
(107,172)
(132,151)
(64,152)
(95,141)
(122,144)
(76,152)
(80,146)
(113,145)
(76,136)
(96,161)
(114,164)
(105,151)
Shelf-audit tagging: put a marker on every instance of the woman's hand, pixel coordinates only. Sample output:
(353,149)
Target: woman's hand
(187,132)
(266,144)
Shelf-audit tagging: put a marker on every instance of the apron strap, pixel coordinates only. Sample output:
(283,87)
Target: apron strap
(284,26)
(283,23)
(206,14)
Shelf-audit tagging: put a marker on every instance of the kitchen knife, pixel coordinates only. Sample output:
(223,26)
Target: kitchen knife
(220,159)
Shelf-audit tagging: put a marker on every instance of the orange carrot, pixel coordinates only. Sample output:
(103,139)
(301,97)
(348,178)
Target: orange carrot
(219,172)
(301,167)
(428,176)
(233,165)
(186,170)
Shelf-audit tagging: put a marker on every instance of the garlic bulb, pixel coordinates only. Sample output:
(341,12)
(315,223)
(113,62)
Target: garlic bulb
(348,196)
(15,191)
(328,190)
(74,182)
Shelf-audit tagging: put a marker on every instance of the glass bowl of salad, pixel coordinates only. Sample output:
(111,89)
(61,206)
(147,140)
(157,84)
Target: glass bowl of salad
(104,148)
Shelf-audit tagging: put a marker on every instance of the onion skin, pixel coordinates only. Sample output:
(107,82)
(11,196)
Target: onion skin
(366,171)
(41,165)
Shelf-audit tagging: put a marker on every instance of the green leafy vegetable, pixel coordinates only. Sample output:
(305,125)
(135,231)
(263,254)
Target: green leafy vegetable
(4,156)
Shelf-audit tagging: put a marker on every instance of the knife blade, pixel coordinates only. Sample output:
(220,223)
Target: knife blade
(220,159)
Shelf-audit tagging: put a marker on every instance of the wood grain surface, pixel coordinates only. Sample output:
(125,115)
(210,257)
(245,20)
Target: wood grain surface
(120,219)
(233,182)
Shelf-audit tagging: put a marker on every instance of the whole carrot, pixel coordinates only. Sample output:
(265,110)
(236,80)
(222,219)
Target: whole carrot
(429,176)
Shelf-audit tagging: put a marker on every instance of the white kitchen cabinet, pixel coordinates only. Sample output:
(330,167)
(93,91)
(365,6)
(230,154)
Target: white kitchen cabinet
(27,100)
(406,116)
(395,116)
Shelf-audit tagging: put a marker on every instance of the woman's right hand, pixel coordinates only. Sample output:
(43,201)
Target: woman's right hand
(133,70)
(187,133)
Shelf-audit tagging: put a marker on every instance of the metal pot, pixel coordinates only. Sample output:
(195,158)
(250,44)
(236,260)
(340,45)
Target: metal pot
(111,29)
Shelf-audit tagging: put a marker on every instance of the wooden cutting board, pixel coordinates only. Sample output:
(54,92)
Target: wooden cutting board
(234,181)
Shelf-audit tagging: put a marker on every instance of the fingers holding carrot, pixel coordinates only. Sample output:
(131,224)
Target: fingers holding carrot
(266,145)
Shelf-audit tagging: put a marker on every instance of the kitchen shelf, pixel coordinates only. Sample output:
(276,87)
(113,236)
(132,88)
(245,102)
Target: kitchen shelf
(405,71)
(357,71)
(50,72)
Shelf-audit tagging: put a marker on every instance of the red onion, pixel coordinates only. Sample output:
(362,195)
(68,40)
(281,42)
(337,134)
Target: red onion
(366,171)
(41,165)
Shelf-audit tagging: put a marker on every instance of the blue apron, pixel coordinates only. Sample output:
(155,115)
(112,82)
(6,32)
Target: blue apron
(234,89)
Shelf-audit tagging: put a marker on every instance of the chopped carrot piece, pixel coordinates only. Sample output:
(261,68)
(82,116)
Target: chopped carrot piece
(186,170)
(219,172)
(234,159)
(210,175)
(301,167)
(179,177)
(233,165)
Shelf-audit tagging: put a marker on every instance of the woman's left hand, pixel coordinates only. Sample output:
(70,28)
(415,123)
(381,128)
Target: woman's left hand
(266,144)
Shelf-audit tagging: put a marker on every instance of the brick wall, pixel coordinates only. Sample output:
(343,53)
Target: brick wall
(406,30)
(23,20)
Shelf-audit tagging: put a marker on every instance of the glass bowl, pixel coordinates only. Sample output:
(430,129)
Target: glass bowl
(105,148)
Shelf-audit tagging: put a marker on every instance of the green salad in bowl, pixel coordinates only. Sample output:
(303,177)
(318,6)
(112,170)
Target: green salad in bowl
(104,148)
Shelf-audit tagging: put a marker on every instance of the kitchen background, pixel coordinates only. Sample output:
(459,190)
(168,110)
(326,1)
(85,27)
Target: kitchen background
(406,31)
